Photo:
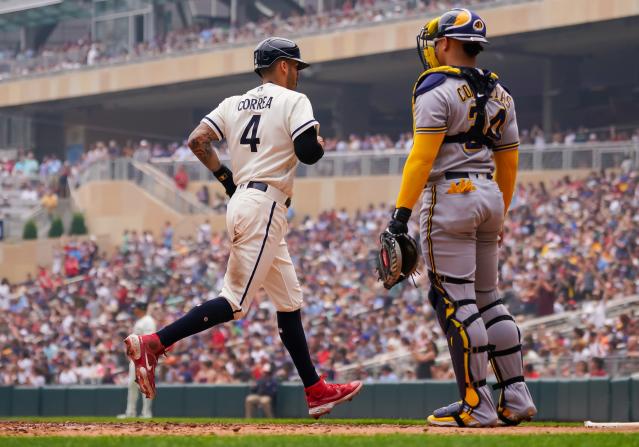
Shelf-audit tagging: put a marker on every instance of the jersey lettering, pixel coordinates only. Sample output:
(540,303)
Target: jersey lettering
(261,103)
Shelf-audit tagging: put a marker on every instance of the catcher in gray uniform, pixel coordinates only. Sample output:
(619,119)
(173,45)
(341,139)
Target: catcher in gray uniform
(464,159)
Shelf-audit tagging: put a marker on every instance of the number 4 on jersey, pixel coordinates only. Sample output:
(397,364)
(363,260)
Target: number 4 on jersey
(251,127)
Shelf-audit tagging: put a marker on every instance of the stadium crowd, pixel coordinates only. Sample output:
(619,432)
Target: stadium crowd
(28,182)
(570,246)
(85,52)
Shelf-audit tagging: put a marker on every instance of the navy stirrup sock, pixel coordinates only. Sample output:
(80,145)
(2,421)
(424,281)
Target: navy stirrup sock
(198,319)
(292,335)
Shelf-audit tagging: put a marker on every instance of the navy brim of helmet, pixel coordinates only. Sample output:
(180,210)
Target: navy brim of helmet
(301,65)
(468,38)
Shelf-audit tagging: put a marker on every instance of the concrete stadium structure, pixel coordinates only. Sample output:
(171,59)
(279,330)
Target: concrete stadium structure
(565,65)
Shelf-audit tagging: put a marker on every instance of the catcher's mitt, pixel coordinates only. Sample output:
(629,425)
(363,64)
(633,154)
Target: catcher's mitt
(397,259)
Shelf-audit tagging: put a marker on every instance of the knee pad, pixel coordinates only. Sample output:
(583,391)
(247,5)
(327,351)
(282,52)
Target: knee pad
(505,338)
(467,341)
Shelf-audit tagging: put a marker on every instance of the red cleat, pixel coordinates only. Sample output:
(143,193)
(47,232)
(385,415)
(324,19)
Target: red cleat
(322,396)
(144,350)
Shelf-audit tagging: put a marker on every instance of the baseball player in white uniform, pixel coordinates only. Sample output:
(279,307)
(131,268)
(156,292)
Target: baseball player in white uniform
(145,324)
(269,129)
(465,127)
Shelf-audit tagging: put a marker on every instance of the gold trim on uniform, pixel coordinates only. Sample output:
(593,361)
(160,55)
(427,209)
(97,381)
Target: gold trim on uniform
(429,227)
(505,147)
(431,129)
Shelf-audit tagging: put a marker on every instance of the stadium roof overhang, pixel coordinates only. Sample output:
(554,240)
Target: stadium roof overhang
(517,58)
(30,13)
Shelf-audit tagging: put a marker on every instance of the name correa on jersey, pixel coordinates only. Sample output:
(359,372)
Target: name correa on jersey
(261,103)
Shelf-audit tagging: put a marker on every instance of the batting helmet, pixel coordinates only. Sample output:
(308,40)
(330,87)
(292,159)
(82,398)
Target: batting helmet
(274,48)
(459,23)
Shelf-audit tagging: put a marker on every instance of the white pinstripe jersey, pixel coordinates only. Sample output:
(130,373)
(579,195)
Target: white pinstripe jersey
(448,108)
(259,127)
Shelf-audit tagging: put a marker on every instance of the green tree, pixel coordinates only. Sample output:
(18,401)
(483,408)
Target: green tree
(57,228)
(78,226)
(30,230)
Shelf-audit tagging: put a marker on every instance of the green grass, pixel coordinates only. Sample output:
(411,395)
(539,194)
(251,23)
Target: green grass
(585,440)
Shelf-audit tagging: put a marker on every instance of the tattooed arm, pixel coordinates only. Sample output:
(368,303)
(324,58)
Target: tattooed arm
(200,144)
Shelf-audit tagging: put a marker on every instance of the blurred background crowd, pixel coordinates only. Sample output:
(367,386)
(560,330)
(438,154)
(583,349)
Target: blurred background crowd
(27,181)
(571,246)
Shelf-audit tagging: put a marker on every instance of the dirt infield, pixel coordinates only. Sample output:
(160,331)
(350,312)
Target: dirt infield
(23,428)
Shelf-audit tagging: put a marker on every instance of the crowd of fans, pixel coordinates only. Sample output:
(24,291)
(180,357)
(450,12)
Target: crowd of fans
(85,52)
(536,136)
(25,182)
(572,245)
(145,151)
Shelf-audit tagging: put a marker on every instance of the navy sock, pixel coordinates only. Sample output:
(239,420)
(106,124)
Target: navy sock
(198,319)
(292,335)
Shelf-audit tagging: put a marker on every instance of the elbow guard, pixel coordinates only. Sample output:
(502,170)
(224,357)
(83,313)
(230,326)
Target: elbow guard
(307,149)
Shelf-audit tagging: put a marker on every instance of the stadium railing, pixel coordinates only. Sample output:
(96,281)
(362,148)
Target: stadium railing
(593,156)
(144,176)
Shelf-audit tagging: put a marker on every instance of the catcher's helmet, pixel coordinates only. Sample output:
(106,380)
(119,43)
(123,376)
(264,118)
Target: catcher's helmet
(274,48)
(459,23)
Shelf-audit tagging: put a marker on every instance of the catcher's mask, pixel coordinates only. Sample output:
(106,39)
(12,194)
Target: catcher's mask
(459,23)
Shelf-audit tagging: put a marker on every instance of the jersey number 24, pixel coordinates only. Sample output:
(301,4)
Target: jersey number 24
(251,127)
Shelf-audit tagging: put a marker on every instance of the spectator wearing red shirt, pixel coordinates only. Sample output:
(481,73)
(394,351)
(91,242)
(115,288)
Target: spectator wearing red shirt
(71,266)
(529,371)
(597,367)
(181,178)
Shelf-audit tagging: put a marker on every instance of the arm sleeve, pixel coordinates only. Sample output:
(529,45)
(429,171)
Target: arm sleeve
(300,116)
(417,168)
(431,117)
(215,120)
(307,149)
(506,163)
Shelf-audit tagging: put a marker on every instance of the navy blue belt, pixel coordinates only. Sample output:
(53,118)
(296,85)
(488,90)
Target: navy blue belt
(260,186)
(456,175)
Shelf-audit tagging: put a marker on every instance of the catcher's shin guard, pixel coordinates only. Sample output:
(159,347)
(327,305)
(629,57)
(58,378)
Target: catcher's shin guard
(468,345)
(515,402)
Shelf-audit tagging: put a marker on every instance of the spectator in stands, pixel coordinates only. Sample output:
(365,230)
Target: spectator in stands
(93,55)
(530,372)
(387,374)
(581,369)
(167,235)
(262,394)
(181,178)
(28,194)
(203,195)
(143,152)
(49,202)
(425,360)
(71,266)
(183,153)
(597,367)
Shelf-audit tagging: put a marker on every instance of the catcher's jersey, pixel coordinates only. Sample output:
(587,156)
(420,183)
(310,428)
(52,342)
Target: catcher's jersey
(145,325)
(448,108)
(259,127)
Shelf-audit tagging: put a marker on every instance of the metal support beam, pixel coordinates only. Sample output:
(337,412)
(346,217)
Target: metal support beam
(547,100)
